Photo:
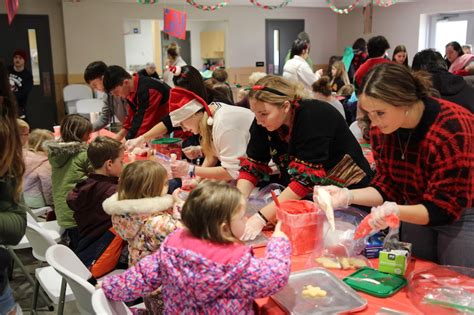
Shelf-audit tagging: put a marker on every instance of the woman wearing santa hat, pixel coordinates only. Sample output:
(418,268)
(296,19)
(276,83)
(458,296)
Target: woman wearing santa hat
(308,140)
(224,132)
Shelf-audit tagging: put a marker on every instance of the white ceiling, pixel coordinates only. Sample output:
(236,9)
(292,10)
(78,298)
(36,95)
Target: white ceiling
(294,3)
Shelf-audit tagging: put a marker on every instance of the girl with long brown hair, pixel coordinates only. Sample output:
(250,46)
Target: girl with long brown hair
(12,168)
(424,154)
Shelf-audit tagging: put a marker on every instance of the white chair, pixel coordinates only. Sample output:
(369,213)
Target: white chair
(102,305)
(74,92)
(52,283)
(67,264)
(87,106)
(54,232)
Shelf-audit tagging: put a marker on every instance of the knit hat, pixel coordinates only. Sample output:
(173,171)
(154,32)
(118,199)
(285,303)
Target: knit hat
(21,53)
(184,103)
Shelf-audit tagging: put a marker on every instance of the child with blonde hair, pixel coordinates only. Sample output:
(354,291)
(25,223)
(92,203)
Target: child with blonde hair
(70,165)
(204,268)
(37,185)
(339,76)
(142,212)
(24,131)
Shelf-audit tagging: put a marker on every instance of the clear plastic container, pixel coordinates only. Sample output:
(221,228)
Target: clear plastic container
(167,146)
(303,223)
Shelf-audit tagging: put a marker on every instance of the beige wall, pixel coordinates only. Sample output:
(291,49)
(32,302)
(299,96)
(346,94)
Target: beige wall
(94,30)
(400,24)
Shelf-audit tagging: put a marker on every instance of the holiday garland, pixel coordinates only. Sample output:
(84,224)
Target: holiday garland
(345,10)
(352,6)
(207,7)
(270,7)
(147,1)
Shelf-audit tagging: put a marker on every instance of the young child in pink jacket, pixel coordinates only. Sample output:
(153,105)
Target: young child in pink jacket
(142,213)
(204,268)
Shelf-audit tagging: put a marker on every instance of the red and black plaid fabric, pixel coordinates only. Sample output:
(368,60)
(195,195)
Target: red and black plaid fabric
(438,169)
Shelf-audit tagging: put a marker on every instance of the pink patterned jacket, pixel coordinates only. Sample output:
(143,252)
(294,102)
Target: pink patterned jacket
(200,277)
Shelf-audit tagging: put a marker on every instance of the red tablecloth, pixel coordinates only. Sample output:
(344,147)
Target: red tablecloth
(398,302)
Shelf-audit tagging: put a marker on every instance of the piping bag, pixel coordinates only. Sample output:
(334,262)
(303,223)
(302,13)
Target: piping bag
(364,228)
(324,200)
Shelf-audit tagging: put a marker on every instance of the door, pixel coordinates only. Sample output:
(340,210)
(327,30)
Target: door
(184,46)
(279,37)
(31,33)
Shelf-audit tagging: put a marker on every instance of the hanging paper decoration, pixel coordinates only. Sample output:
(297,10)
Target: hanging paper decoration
(175,23)
(384,3)
(345,10)
(270,7)
(207,7)
(147,1)
(12,9)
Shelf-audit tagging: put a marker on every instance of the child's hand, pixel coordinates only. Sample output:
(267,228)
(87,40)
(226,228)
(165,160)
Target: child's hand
(98,285)
(278,232)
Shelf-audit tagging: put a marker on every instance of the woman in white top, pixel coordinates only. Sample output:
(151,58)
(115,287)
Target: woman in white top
(224,131)
(323,92)
(174,60)
(297,69)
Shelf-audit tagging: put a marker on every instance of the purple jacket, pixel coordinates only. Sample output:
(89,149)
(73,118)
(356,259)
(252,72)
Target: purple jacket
(201,277)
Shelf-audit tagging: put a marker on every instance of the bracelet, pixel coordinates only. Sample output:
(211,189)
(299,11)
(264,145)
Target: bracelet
(262,216)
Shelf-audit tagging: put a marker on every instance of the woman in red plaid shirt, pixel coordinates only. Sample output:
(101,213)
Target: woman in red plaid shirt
(424,154)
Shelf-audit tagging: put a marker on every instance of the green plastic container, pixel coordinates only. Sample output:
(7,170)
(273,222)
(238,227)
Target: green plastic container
(167,146)
(374,282)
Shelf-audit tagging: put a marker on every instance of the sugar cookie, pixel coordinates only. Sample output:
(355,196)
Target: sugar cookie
(310,291)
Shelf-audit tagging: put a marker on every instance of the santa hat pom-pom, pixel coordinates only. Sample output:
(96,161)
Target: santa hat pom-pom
(210,121)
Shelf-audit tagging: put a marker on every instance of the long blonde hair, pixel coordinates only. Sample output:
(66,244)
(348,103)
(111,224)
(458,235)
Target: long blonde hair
(205,133)
(340,72)
(142,179)
(37,138)
(290,91)
(11,151)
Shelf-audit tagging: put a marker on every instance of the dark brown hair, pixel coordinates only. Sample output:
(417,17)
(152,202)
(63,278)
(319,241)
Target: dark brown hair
(75,127)
(396,84)
(220,75)
(103,149)
(401,48)
(11,152)
(142,179)
(209,205)
(323,86)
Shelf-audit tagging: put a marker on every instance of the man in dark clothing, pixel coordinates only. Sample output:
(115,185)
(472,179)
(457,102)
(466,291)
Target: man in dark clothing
(149,71)
(147,99)
(450,87)
(21,80)
(96,235)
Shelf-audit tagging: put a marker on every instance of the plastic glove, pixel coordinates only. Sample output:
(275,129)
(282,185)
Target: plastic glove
(340,197)
(379,215)
(193,152)
(180,168)
(253,227)
(133,143)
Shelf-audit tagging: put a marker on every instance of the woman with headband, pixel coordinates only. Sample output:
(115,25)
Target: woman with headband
(308,140)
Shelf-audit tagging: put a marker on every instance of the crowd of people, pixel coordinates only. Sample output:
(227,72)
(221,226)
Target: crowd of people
(302,130)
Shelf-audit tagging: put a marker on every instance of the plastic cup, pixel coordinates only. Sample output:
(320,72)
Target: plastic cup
(167,146)
(57,132)
(303,223)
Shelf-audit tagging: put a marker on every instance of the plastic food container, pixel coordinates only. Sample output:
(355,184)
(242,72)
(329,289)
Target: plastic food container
(303,223)
(375,282)
(167,146)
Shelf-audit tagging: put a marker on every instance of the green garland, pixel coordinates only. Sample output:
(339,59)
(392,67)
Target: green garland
(207,7)
(270,7)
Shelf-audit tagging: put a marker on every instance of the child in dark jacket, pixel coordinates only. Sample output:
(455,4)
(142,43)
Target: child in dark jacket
(204,268)
(99,245)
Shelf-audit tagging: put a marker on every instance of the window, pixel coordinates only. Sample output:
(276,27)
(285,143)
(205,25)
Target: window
(276,51)
(34,56)
(449,31)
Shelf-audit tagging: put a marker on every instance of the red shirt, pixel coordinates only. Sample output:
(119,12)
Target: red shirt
(365,68)
(147,105)
(438,166)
